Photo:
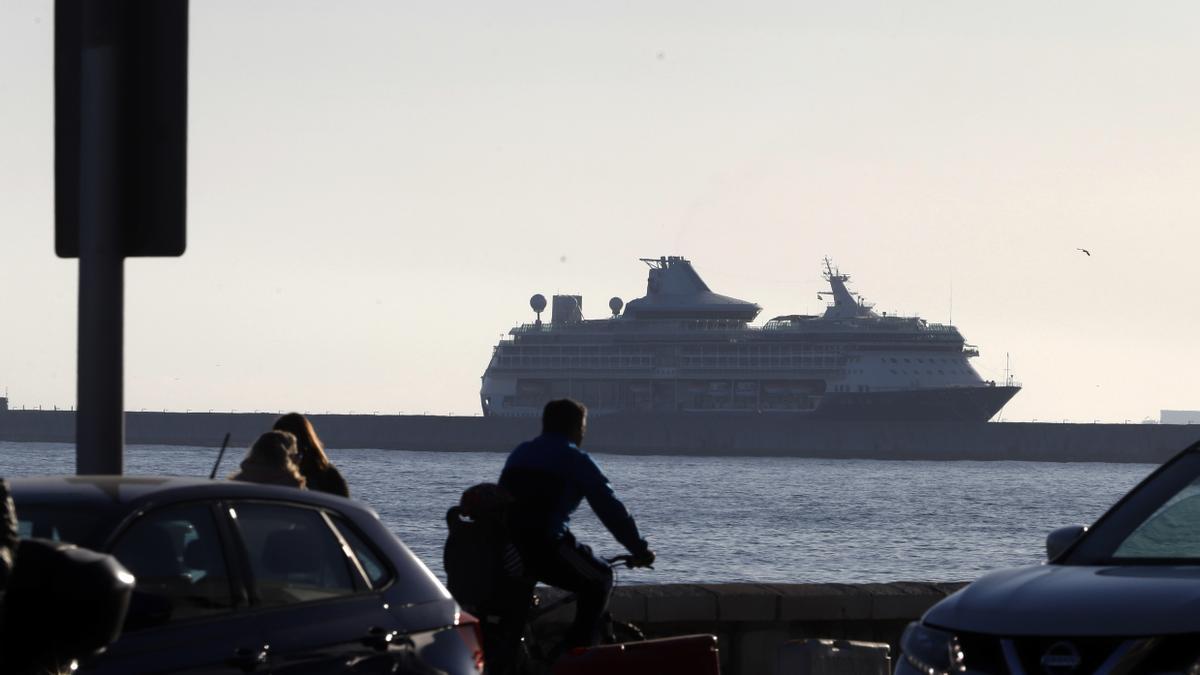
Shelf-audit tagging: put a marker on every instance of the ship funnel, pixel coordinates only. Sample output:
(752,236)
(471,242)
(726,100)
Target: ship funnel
(673,275)
(567,309)
(675,291)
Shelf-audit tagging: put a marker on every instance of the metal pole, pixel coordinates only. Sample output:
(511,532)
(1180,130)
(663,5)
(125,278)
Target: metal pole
(100,420)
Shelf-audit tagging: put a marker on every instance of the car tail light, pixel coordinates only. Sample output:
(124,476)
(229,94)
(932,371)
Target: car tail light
(472,634)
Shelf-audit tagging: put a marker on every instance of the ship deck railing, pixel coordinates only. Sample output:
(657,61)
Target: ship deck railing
(931,331)
(983,384)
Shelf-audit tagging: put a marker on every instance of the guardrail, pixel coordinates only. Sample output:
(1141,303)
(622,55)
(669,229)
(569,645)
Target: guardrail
(752,620)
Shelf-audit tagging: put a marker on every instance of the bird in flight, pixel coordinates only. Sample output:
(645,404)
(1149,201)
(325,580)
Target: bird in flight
(1089,253)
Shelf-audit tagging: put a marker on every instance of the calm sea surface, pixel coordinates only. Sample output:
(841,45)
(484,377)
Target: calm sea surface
(718,519)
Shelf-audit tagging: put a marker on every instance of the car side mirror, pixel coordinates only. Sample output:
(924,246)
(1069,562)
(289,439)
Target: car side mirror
(1061,539)
(62,603)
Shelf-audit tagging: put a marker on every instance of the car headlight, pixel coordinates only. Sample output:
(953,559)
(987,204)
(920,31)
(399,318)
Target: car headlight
(932,651)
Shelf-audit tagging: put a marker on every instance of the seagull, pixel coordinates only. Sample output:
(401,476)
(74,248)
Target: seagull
(1089,253)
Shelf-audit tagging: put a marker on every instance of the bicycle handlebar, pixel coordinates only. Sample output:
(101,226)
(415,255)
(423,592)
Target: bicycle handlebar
(627,561)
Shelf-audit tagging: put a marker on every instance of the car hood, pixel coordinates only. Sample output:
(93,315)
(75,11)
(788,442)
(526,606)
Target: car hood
(1076,600)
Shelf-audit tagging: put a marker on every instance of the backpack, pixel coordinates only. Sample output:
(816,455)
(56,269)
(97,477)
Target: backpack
(479,558)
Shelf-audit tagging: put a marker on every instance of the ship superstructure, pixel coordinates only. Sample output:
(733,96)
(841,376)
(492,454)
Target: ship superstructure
(684,348)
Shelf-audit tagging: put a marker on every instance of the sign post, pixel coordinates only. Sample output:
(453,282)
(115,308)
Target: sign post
(120,183)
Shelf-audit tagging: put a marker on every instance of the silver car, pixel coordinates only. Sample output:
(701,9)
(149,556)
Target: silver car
(1122,596)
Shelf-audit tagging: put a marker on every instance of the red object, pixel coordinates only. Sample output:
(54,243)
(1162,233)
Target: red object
(470,631)
(691,654)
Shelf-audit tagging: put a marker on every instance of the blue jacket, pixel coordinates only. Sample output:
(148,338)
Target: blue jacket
(548,477)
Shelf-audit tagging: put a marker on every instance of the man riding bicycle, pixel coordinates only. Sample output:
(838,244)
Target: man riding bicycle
(547,478)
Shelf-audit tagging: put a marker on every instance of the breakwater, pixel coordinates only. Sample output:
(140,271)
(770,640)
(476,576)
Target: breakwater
(731,434)
(751,621)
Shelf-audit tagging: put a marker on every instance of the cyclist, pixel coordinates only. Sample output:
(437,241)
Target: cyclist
(547,478)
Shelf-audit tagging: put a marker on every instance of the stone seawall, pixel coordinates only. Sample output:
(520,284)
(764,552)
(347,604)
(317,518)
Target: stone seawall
(751,621)
(752,435)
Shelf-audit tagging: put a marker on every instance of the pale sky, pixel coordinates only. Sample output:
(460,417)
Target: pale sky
(376,189)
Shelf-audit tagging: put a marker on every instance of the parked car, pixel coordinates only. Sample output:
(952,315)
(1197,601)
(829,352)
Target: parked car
(237,577)
(1122,596)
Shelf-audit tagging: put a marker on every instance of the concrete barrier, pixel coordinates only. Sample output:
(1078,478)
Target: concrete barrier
(752,621)
(662,434)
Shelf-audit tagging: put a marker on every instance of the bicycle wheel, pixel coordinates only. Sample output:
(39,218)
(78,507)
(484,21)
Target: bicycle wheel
(622,631)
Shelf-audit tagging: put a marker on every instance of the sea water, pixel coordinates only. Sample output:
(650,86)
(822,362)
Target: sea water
(719,519)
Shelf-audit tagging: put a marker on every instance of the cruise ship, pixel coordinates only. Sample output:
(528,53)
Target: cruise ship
(684,348)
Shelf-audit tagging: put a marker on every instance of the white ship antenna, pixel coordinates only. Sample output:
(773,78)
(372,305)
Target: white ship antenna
(832,272)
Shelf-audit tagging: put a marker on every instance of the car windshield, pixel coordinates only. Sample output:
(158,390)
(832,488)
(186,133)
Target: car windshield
(1158,522)
(1173,531)
(59,523)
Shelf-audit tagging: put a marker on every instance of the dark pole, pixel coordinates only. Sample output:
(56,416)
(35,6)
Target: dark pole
(100,421)
(120,150)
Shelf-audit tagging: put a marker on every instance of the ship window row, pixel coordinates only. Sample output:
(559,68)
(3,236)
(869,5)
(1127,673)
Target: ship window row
(673,395)
(626,361)
(928,372)
(740,361)
(758,349)
(739,350)
(931,360)
(648,361)
(573,350)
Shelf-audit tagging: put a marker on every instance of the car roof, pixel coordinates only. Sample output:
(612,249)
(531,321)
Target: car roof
(123,493)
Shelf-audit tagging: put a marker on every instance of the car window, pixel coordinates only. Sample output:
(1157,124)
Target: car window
(377,572)
(1156,523)
(1172,531)
(294,555)
(176,556)
(55,522)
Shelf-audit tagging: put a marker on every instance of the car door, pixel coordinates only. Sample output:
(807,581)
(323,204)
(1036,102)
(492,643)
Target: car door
(188,613)
(314,601)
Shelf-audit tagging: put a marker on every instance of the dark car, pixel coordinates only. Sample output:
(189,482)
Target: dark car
(1120,597)
(238,577)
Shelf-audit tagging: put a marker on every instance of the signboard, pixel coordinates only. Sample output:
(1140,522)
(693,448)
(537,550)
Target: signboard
(145,146)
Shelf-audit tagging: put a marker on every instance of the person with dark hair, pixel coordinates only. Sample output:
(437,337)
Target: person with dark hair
(319,473)
(271,460)
(547,478)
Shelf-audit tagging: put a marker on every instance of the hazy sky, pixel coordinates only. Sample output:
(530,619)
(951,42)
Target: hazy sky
(376,189)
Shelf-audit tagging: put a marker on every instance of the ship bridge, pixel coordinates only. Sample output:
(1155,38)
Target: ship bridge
(675,291)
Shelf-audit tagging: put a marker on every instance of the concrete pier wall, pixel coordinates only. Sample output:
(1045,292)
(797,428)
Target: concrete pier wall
(751,621)
(766,435)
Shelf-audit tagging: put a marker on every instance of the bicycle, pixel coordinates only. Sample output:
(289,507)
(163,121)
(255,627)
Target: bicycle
(534,642)
(624,646)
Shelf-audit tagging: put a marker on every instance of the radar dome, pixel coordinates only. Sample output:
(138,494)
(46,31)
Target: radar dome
(538,303)
(615,305)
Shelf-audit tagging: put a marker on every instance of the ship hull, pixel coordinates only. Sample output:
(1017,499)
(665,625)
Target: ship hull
(949,404)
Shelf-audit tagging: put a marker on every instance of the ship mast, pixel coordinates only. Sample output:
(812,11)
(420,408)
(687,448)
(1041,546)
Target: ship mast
(845,305)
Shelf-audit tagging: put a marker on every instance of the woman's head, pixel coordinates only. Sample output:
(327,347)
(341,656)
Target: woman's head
(312,453)
(275,450)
